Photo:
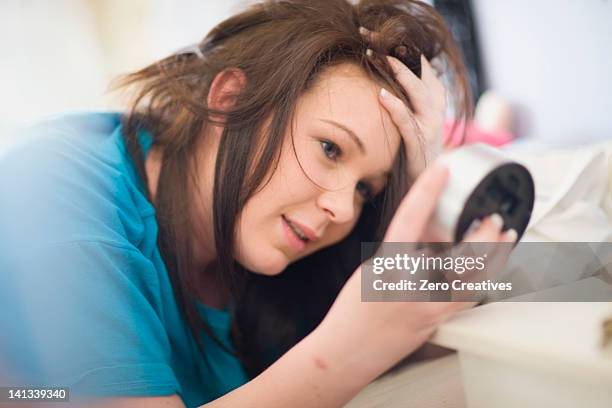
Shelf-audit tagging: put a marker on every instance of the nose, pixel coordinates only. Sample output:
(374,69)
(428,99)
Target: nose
(339,205)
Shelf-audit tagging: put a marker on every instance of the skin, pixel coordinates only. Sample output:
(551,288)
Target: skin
(342,98)
(343,95)
(316,148)
(332,366)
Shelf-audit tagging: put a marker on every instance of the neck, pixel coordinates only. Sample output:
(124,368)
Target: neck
(153,168)
(205,266)
(210,290)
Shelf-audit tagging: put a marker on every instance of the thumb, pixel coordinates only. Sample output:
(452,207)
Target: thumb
(415,210)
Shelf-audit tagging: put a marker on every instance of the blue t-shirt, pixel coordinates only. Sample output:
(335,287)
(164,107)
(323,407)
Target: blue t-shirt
(85,297)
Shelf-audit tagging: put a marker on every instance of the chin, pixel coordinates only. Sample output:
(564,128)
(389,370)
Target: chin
(270,262)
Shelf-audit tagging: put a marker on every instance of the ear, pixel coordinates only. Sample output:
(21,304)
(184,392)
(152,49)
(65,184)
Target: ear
(225,88)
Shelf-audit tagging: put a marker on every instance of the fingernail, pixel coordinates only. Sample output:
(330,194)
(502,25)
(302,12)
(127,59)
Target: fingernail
(497,220)
(384,93)
(511,235)
(369,52)
(473,226)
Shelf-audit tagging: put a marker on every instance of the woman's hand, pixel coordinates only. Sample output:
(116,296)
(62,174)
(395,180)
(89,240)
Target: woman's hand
(370,337)
(428,98)
(357,341)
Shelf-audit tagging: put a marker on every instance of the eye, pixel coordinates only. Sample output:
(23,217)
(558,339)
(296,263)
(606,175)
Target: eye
(331,150)
(366,191)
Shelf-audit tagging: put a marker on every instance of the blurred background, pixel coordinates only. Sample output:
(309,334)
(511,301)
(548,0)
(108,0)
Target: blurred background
(549,59)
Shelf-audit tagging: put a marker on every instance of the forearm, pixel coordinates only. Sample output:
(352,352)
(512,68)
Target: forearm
(355,343)
(311,374)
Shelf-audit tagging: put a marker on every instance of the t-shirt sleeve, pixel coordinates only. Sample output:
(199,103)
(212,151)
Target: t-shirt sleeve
(82,314)
(79,303)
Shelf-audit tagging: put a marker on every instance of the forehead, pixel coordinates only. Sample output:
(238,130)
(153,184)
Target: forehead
(347,95)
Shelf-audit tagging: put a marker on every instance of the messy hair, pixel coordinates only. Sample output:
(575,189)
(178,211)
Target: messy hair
(281,47)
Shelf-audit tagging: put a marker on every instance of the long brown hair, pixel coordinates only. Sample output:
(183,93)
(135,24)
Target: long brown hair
(281,46)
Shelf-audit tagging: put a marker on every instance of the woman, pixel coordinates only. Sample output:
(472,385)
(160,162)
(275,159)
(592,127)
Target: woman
(190,250)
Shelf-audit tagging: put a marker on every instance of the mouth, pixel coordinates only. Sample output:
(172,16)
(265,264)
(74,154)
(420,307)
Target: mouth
(296,236)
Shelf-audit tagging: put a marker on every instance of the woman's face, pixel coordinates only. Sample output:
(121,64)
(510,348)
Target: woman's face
(345,142)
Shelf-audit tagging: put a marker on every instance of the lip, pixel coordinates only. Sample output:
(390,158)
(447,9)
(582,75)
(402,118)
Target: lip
(310,234)
(294,241)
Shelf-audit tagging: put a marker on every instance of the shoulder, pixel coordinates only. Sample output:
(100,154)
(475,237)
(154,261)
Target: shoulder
(77,284)
(71,178)
(88,141)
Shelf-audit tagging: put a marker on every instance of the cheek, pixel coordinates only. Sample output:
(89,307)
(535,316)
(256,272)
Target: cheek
(259,236)
(256,241)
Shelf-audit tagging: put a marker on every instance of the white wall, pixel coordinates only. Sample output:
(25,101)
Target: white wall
(553,60)
(61,55)
(45,48)
(180,23)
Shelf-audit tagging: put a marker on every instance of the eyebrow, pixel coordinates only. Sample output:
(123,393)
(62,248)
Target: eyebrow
(352,134)
(358,142)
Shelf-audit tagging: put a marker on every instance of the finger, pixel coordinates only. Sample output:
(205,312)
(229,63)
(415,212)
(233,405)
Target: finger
(399,112)
(432,234)
(415,88)
(432,82)
(428,75)
(415,210)
(410,129)
(489,230)
(510,236)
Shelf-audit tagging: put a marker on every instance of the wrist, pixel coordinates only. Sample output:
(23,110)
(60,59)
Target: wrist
(336,357)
